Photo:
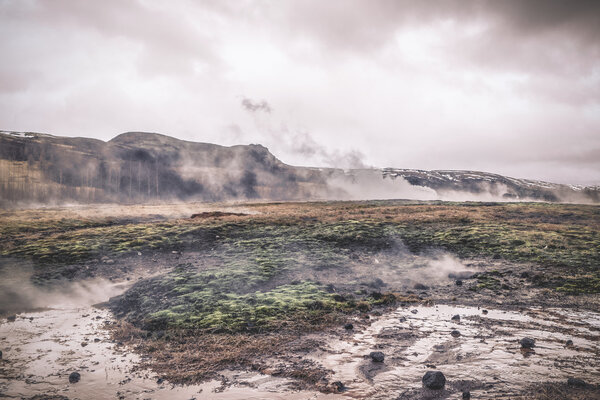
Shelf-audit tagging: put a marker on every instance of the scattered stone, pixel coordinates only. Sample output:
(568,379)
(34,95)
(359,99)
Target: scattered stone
(458,282)
(109,261)
(434,380)
(455,333)
(83,344)
(348,326)
(402,319)
(466,395)
(96,340)
(576,382)
(377,356)
(338,386)
(74,377)
(160,381)
(456,318)
(569,343)
(414,311)
(527,343)
(139,253)
(420,286)
(0,354)
(11,318)
(484,311)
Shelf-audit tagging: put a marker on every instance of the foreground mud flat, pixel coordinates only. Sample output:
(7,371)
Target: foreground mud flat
(42,348)
(288,300)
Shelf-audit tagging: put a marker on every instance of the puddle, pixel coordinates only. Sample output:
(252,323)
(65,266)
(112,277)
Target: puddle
(486,358)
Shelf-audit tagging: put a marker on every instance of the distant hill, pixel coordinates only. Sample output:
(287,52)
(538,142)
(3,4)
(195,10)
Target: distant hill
(144,167)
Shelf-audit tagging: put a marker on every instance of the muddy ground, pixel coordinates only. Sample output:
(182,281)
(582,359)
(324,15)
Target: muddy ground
(150,303)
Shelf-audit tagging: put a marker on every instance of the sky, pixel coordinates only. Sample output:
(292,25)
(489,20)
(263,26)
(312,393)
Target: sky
(504,86)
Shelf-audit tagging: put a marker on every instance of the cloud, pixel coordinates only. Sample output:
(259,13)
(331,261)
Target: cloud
(505,86)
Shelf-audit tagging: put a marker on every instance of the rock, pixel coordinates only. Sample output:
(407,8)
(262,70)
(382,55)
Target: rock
(527,343)
(74,377)
(377,356)
(160,381)
(338,386)
(466,395)
(434,380)
(348,326)
(420,286)
(455,333)
(414,311)
(402,319)
(484,311)
(0,354)
(96,340)
(456,318)
(83,344)
(458,282)
(569,343)
(576,382)
(11,318)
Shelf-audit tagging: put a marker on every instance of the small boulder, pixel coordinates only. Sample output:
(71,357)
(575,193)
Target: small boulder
(484,311)
(377,356)
(159,381)
(348,326)
(0,354)
(527,343)
(455,333)
(338,386)
(420,286)
(455,318)
(11,318)
(466,395)
(434,380)
(569,343)
(458,282)
(414,311)
(74,377)
(576,382)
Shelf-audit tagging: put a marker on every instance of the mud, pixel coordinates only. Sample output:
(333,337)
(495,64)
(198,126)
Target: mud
(40,350)
(486,358)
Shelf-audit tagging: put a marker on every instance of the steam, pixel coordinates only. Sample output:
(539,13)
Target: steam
(19,294)
(256,106)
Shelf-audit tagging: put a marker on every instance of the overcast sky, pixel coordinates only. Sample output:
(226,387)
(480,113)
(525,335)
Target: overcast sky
(511,87)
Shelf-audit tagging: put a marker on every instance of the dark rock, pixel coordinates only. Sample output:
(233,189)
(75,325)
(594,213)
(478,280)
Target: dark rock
(466,395)
(414,311)
(11,318)
(569,343)
(527,343)
(458,282)
(455,333)
(576,382)
(434,380)
(456,318)
(83,344)
(74,377)
(338,386)
(349,326)
(160,381)
(420,286)
(484,311)
(377,356)
(0,354)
